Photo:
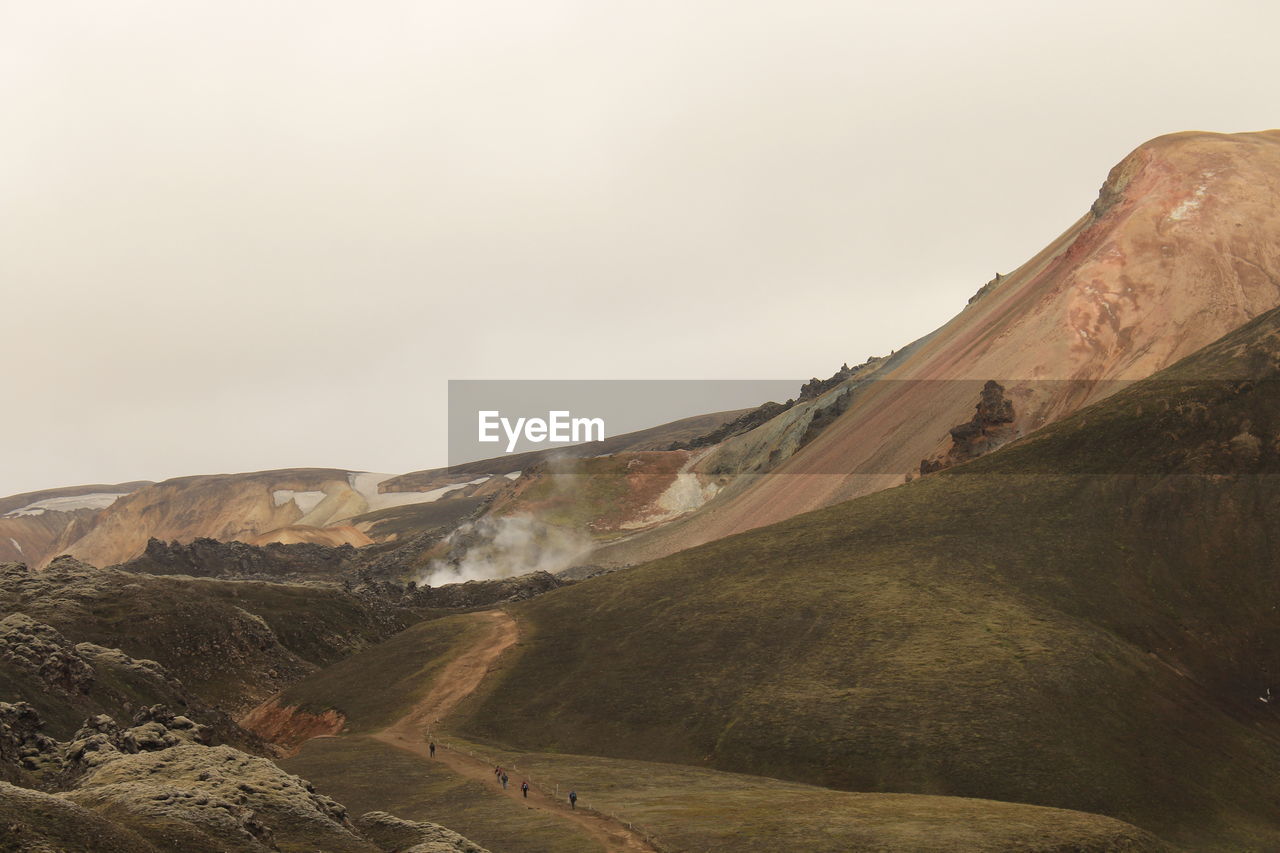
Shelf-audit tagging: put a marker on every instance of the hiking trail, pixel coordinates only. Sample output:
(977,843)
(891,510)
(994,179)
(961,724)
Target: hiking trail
(458,680)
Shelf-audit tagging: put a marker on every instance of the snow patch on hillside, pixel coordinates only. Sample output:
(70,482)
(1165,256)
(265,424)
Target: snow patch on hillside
(69,503)
(366,483)
(306,501)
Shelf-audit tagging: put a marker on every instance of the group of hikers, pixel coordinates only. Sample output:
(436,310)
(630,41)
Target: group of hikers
(503,778)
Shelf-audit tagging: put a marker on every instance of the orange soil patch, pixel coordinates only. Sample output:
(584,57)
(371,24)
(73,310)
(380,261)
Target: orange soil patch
(289,727)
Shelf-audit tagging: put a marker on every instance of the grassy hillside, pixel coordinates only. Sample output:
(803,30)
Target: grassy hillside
(1085,620)
(365,774)
(375,687)
(709,811)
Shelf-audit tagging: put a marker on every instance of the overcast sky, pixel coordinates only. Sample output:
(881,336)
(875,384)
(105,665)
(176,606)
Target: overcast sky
(248,235)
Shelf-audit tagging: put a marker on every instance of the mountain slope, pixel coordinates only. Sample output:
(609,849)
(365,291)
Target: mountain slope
(1181,247)
(33,523)
(1084,619)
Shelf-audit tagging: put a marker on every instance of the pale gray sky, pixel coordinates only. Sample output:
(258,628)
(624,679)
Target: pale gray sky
(245,235)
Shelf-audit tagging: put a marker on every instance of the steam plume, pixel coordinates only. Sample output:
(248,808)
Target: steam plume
(505,547)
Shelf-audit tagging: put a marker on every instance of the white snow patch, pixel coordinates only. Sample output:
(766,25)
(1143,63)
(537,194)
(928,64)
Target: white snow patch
(16,544)
(306,501)
(69,503)
(366,483)
(512,475)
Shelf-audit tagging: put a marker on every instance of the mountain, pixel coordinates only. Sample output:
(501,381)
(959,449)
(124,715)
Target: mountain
(104,525)
(31,524)
(1083,619)
(1009,587)
(1181,247)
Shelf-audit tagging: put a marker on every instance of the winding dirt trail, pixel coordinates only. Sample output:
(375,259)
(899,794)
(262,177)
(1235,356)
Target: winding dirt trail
(459,679)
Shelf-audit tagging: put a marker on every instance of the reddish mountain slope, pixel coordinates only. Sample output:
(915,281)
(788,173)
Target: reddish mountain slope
(1181,247)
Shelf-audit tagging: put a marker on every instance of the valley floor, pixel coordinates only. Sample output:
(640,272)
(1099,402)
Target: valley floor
(629,806)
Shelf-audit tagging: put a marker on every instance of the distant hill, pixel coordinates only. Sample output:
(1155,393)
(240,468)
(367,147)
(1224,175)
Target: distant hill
(104,525)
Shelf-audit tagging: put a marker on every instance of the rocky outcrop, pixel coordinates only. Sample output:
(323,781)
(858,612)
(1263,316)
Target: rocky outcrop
(766,412)
(990,427)
(205,557)
(37,822)
(985,289)
(70,682)
(157,786)
(30,756)
(43,652)
(300,562)
(27,754)
(193,797)
(825,416)
(154,728)
(231,643)
(391,833)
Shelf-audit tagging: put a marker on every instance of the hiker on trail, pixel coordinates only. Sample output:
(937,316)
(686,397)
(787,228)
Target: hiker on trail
(497,772)
(431,747)
(524,789)
(573,799)
(504,781)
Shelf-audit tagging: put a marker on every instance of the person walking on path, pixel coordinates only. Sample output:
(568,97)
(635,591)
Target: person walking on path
(431,748)
(524,789)
(504,781)
(573,800)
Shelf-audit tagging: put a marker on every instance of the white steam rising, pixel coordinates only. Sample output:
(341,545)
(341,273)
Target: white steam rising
(505,547)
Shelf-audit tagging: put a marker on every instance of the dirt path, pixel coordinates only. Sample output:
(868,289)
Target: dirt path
(458,680)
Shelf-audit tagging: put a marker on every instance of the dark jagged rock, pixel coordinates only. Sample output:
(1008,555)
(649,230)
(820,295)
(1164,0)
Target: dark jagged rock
(214,558)
(302,562)
(985,289)
(748,421)
(990,427)
(825,416)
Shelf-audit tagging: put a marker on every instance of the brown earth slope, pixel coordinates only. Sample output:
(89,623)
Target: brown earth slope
(32,524)
(1181,247)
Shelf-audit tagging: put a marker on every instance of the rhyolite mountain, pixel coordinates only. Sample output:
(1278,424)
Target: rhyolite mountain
(1180,247)
(1016,575)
